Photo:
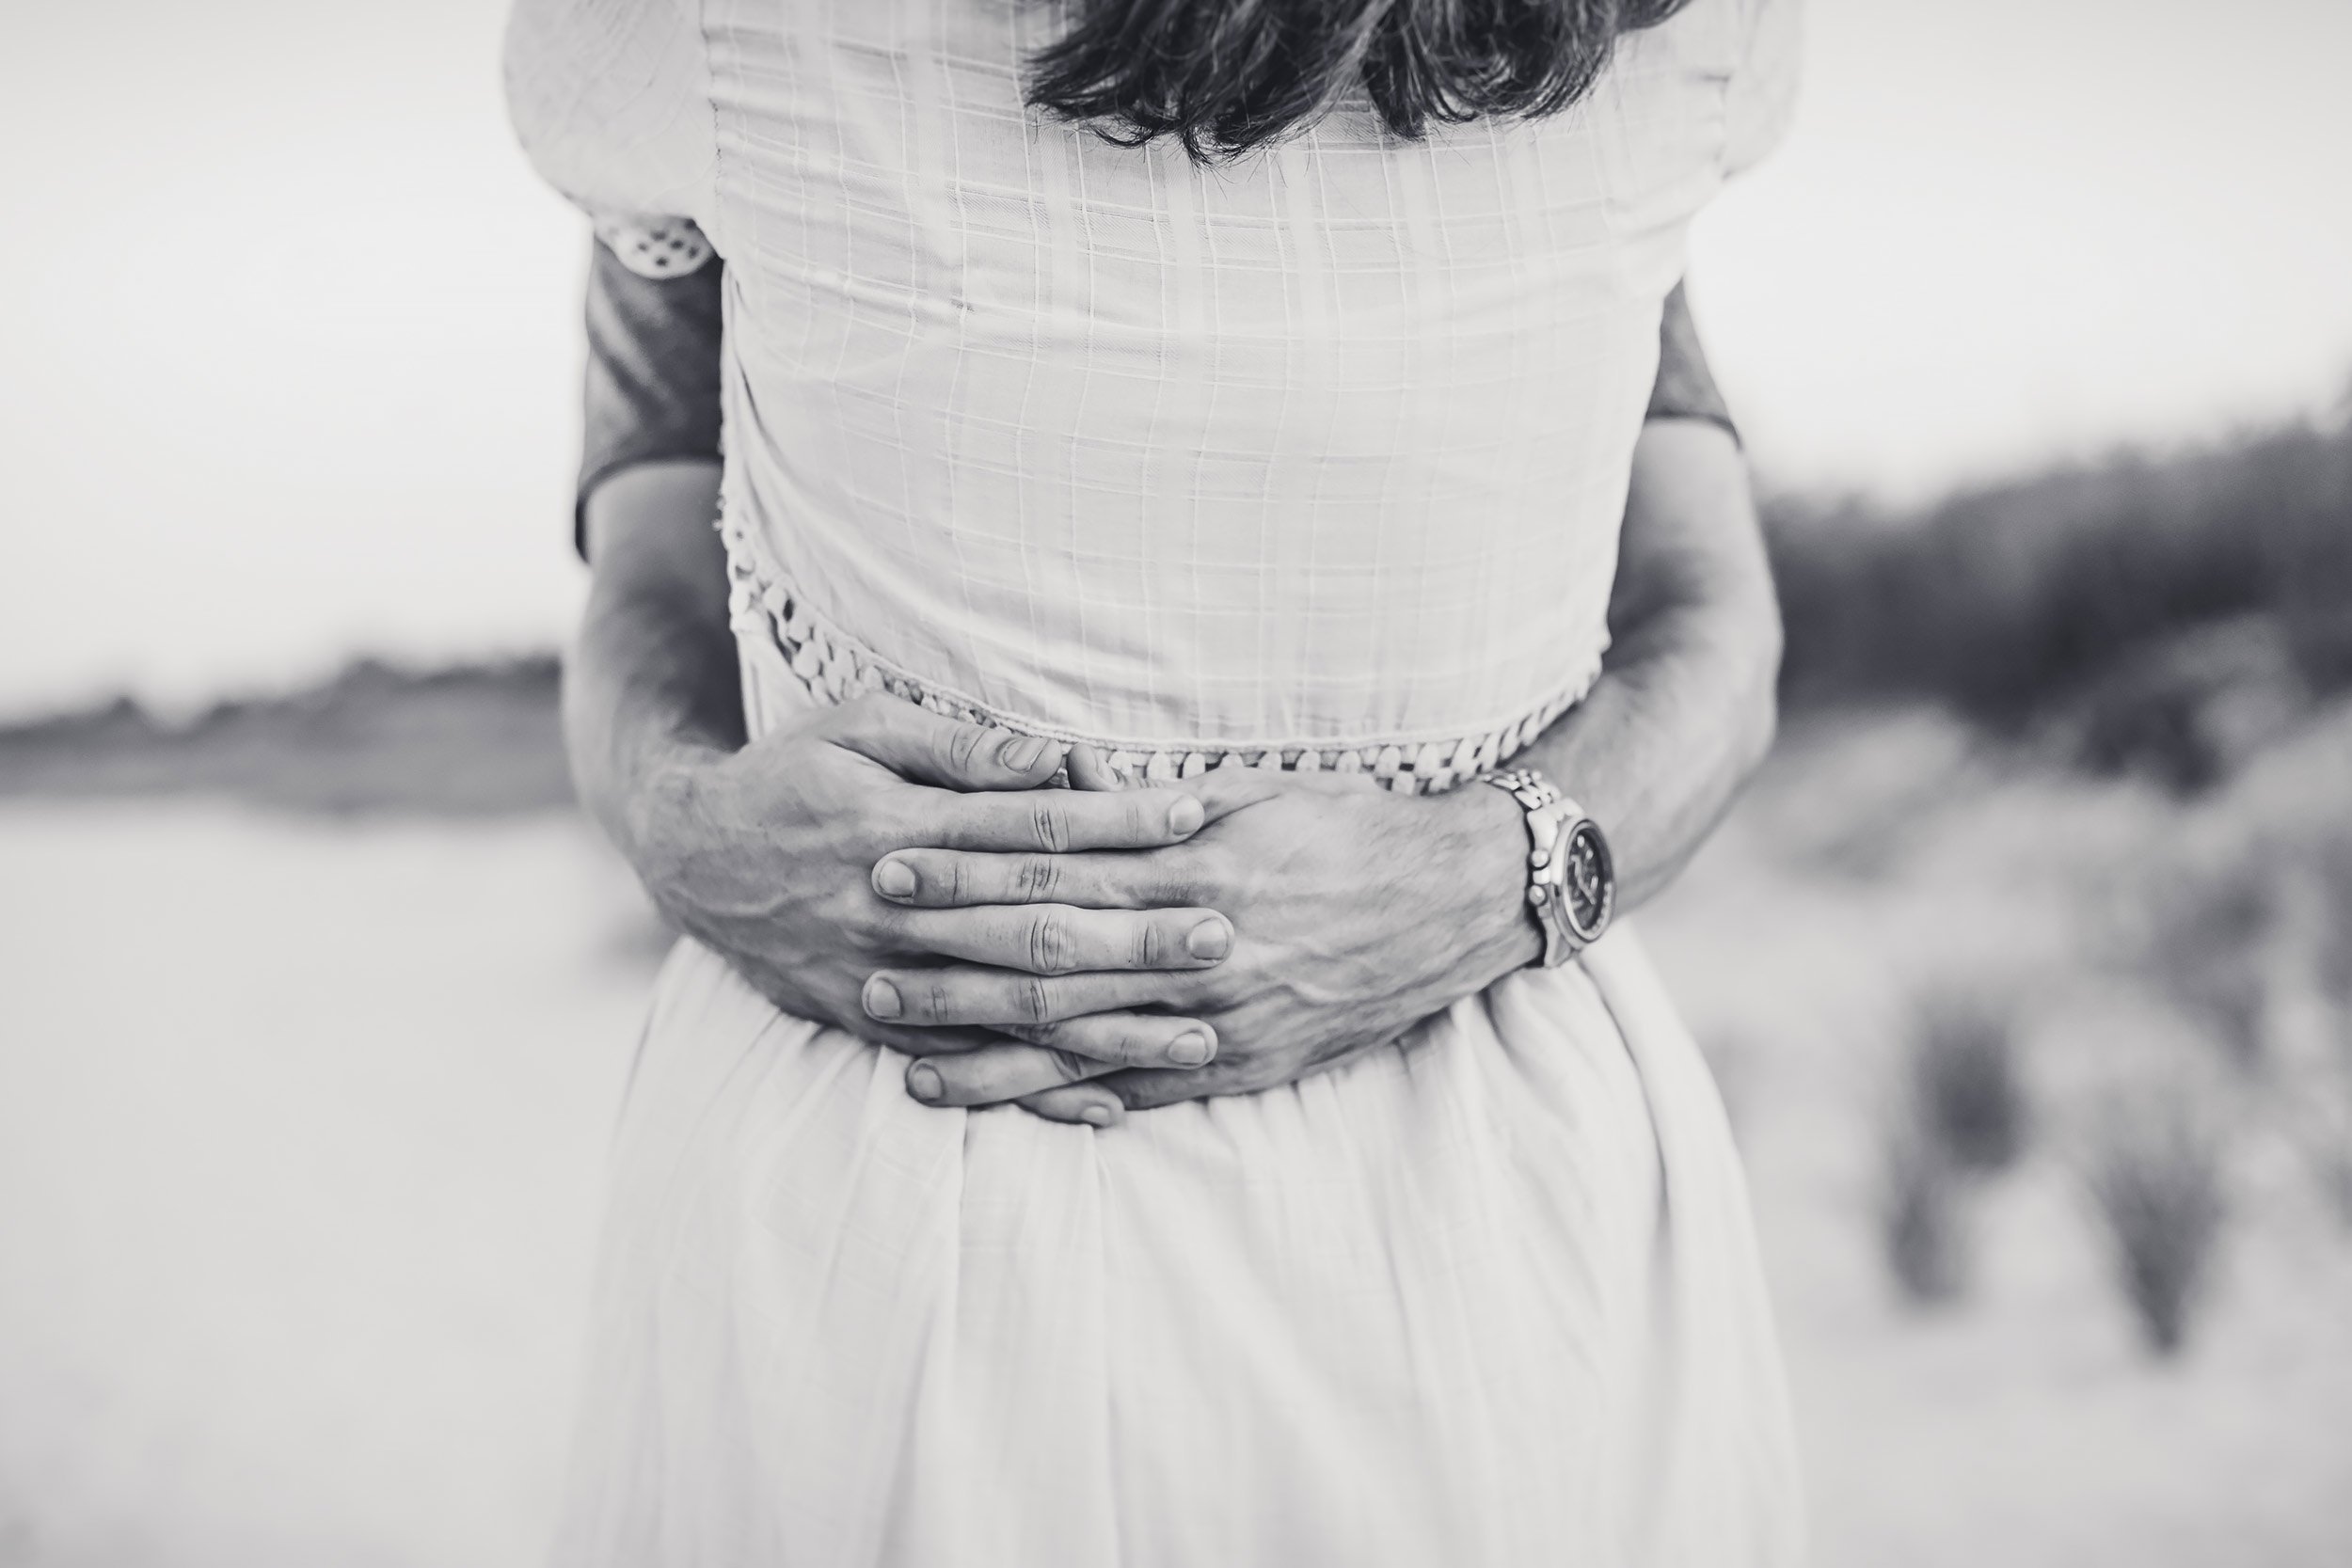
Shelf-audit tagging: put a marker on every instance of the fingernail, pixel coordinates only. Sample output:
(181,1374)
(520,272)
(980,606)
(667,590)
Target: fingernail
(1189,1048)
(883,999)
(895,879)
(1020,752)
(1183,816)
(1211,939)
(1096,1116)
(923,1081)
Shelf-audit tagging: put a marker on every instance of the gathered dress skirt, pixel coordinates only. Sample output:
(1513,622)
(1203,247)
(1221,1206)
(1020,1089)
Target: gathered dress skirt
(1488,1295)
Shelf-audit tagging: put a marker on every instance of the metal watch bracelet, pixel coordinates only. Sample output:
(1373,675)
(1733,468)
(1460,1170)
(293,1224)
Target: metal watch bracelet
(1571,879)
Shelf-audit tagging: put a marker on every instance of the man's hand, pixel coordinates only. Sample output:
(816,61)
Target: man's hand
(1359,913)
(765,854)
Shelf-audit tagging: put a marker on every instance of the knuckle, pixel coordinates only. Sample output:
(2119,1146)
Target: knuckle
(886,821)
(1070,1066)
(1217,989)
(963,745)
(1034,1000)
(1182,881)
(938,1000)
(1052,951)
(1038,877)
(1051,824)
(1151,946)
(881,925)
(863,716)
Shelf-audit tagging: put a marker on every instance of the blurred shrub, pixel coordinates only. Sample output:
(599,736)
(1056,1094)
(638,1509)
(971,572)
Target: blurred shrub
(2212,929)
(2325,1142)
(1966,1087)
(1997,599)
(1923,1212)
(2154,1170)
(2330,862)
(2189,711)
(1957,1112)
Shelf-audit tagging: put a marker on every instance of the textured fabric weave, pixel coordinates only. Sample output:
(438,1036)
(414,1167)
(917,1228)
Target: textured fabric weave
(655,352)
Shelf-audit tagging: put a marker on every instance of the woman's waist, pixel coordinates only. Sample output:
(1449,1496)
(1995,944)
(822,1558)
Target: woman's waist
(1418,697)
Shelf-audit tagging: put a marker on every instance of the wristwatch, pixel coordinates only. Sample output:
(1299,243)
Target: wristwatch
(1571,879)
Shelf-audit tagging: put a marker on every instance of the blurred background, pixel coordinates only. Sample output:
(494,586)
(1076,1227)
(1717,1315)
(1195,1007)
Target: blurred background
(2026,966)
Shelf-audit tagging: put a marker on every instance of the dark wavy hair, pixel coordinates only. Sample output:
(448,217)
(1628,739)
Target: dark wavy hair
(1223,77)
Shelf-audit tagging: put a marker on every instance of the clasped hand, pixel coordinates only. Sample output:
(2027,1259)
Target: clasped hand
(1079,951)
(1354,913)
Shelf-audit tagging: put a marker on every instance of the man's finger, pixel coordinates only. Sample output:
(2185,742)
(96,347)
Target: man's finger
(1058,938)
(967,994)
(1090,770)
(997,1074)
(928,748)
(1080,1050)
(959,879)
(1060,820)
(1147,1088)
(1128,1040)
(1088,1105)
(1225,790)
(930,1042)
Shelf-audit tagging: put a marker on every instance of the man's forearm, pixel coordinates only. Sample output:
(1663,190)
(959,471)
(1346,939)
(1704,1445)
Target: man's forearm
(1684,708)
(652,680)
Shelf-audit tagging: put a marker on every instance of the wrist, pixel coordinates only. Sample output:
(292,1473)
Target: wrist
(664,809)
(1487,858)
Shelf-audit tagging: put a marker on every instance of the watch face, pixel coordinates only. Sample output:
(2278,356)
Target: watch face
(1588,881)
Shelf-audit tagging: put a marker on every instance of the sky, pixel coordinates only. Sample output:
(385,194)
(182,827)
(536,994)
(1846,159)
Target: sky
(289,331)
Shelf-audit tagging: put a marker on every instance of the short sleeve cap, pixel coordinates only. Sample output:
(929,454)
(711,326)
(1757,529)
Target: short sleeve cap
(611,100)
(1763,93)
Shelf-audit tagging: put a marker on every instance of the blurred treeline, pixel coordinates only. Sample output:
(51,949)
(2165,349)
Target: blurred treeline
(2008,599)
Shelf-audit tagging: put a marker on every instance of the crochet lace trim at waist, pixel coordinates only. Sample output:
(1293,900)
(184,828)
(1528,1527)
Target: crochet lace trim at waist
(833,668)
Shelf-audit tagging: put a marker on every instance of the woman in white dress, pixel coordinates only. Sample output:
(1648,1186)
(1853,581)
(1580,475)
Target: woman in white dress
(1266,496)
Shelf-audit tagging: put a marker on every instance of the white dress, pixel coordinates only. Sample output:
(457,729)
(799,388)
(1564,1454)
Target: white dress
(1315,460)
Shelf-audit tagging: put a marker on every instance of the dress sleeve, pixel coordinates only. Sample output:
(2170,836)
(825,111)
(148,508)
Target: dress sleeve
(1763,91)
(611,100)
(651,390)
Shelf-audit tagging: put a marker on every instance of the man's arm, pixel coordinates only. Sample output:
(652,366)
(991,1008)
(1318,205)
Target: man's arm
(1685,387)
(651,684)
(1685,706)
(650,394)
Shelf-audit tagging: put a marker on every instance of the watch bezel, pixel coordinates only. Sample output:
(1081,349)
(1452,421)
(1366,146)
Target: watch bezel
(1582,829)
